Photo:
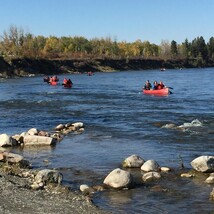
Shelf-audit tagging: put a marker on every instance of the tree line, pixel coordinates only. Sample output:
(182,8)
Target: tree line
(16,43)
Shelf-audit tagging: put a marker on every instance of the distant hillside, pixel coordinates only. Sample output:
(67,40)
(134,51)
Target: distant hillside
(25,67)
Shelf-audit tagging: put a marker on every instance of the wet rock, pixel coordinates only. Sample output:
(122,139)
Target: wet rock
(12,158)
(32,131)
(45,177)
(187,175)
(38,140)
(78,125)
(151,176)
(18,138)
(118,179)
(99,187)
(1,157)
(70,127)
(86,189)
(165,169)
(203,164)
(134,161)
(6,140)
(56,136)
(150,165)
(59,127)
(210,179)
(212,195)
(43,133)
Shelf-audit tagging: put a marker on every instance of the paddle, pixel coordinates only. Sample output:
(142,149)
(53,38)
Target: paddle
(169,87)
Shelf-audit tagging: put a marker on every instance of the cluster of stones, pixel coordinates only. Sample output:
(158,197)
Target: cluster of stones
(37,137)
(151,171)
(16,165)
(120,178)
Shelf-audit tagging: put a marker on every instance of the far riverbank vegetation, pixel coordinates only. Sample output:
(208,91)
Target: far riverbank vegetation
(16,43)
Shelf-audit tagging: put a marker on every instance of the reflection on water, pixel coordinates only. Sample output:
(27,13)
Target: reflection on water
(120,121)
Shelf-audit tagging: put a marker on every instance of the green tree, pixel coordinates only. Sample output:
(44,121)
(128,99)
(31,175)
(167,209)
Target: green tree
(185,49)
(174,48)
(210,47)
(199,48)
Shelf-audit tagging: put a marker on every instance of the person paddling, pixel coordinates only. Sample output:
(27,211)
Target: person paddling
(155,87)
(147,85)
(160,85)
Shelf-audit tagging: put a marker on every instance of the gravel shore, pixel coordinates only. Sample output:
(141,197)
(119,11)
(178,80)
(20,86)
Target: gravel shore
(18,198)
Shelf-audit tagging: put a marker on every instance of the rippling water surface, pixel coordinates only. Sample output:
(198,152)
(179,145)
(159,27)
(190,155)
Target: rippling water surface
(120,121)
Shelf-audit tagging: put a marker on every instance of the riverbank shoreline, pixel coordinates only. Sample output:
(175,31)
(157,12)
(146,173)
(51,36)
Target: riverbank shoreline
(30,67)
(17,197)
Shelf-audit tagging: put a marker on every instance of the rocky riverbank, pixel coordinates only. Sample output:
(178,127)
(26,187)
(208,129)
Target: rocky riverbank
(27,190)
(17,197)
(27,67)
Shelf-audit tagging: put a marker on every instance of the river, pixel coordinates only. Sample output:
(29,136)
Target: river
(120,121)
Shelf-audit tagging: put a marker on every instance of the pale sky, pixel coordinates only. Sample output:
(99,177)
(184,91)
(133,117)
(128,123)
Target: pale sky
(122,20)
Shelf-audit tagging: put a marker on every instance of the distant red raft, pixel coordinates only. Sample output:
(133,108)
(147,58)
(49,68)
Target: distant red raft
(53,83)
(164,91)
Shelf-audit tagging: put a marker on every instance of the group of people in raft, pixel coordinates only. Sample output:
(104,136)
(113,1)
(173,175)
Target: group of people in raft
(156,85)
(55,79)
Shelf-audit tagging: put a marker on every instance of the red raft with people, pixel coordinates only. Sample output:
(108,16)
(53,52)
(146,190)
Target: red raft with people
(161,92)
(158,89)
(67,83)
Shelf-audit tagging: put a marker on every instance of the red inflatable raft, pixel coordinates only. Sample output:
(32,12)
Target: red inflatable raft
(164,91)
(53,83)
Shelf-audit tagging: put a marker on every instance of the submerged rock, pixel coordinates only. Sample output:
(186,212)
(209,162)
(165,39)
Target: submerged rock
(210,179)
(151,176)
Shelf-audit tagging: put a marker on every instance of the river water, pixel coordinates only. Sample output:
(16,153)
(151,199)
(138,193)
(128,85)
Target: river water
(120,121)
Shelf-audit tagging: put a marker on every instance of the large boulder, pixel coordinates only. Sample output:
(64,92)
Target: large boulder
(118,178)
(203,164)
(150,165)
(38,140)
(6,140)
(133,161)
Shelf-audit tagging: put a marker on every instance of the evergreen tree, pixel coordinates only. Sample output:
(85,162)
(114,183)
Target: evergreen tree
(174,48)
(210,47)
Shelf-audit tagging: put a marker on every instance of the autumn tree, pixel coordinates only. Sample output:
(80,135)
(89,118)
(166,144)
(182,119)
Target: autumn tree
(12,41)
(165,48)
